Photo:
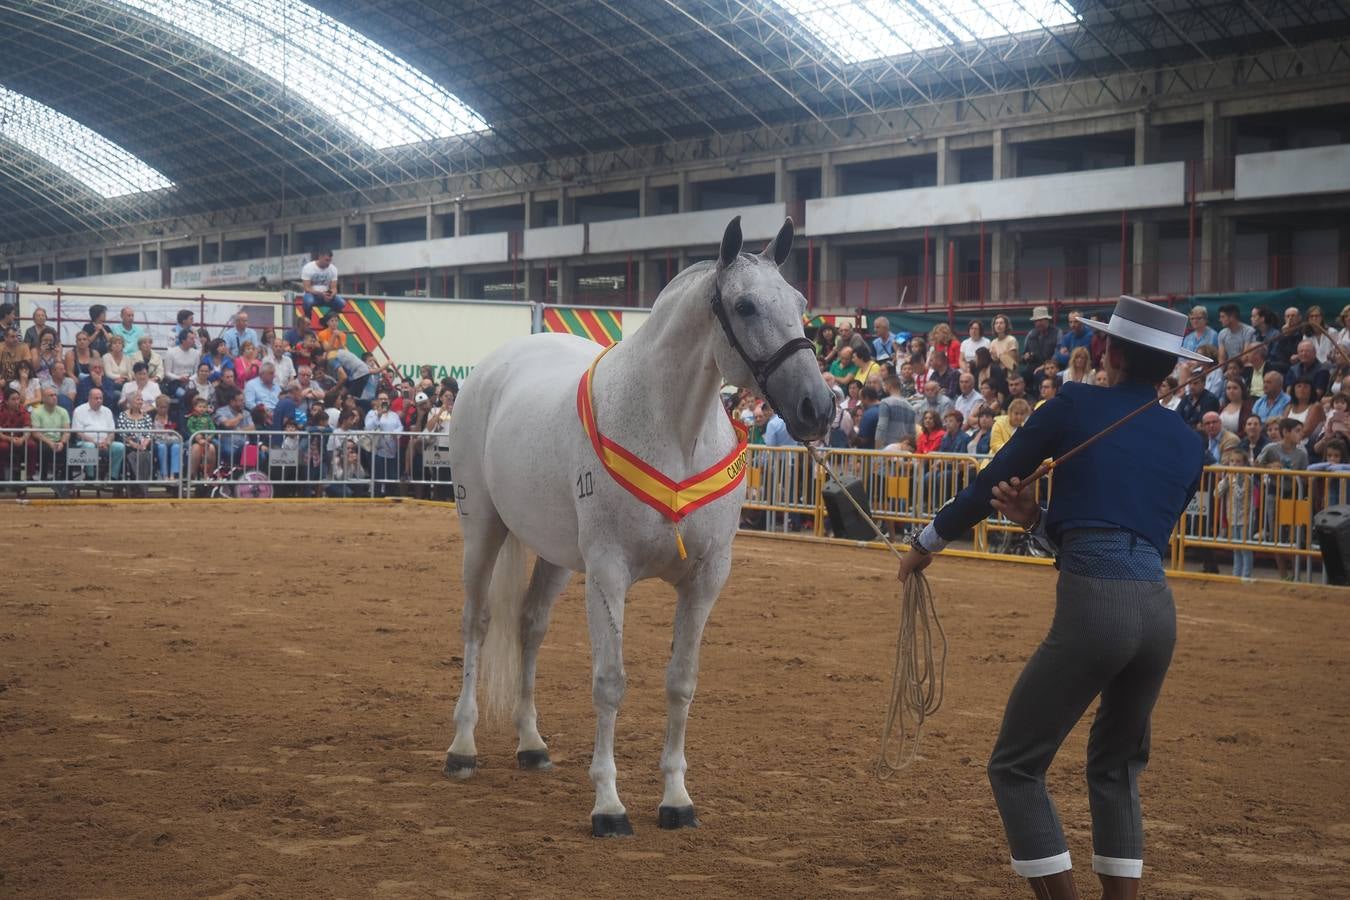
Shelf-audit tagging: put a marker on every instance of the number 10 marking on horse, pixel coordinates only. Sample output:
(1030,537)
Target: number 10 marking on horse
(653,415)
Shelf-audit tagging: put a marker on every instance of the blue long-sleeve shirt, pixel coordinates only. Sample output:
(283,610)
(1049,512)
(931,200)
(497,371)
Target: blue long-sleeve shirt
(1138,479)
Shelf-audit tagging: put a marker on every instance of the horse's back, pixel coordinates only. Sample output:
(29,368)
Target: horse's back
(515,437)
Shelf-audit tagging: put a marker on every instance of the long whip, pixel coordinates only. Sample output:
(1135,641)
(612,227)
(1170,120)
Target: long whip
(920,656)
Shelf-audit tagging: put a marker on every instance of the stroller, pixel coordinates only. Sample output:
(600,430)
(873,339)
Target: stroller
(239,483)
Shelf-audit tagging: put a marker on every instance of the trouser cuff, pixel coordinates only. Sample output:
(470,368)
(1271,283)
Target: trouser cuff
(1114,865)
(1038,868)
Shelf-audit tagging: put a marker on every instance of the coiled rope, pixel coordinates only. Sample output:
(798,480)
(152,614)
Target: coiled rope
(920,657)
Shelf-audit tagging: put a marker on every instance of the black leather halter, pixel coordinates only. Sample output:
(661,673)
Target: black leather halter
(761,369)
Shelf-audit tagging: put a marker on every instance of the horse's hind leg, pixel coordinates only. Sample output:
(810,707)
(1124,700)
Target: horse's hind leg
(696,594)
(546,583)
(483,538)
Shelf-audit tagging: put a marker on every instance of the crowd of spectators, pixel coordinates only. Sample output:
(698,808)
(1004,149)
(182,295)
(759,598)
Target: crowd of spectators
(1277,395)
(298,406)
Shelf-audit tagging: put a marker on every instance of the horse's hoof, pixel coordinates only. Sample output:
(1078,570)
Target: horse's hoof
(461,767)
(672,817)
(535,760)
(610,825)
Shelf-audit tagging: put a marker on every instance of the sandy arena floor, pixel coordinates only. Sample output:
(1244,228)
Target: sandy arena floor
(254,701)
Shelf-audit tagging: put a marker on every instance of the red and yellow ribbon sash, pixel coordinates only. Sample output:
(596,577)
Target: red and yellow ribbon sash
(672,499)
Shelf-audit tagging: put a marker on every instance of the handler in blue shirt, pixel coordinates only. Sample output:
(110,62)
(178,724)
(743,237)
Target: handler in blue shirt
(1111,514)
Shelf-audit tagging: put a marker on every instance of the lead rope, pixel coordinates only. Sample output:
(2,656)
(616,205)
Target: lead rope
(920,658)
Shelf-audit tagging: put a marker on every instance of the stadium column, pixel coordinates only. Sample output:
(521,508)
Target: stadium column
(644,292)
(1217,231)
(1144,258)
(829,292)
(1002,242)
(567,211)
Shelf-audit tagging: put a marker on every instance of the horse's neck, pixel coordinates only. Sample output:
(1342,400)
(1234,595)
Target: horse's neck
(667,374)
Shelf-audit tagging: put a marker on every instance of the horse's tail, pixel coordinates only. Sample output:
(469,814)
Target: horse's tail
(500,656)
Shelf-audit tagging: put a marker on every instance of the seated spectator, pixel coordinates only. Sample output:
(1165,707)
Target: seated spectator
(1049,387)
(65,386)
(1017,388)
(228,382)
(935,400)
(1305,407)
(1237,405)
(46,356)
(1285,352)
(97,379)
(844,369)
(26,383)
(967,399)
(1195,400)
(946,376)
(291,405)
(867,367)
(972,344)
(53,440)
(1235,335)
(279,354)
(1306,365)
(233,422)
(94,426)
(79,357)
(1253,438)
(990,398)
(203,385)
(941,340)
(97,329)
(1336,426)
(954,440)
(263,393)
(117,364)
(217,356)
(236,336)
(1316,332)
(246,363)
(319,281)
(1273,401)
(168,442)
(931,433)
(18,449)
(988,370)
(1218,440)
(331,336)
(1335,458)
(1200,333)
(145,353)
(1079,368)
(1041,341)
(12,352)
(140,385)
(180,364)
(982,433)
(33,336)
(1003,346)
(1099,378)
(133,430)
(127,330)
(1078,335)
(201,447)
(1006,426)
(825,341)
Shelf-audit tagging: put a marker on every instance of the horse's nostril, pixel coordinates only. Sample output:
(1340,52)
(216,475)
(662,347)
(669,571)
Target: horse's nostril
(806,410)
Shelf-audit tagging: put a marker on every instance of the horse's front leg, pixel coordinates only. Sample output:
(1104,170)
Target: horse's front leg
(606,587)
(696,594)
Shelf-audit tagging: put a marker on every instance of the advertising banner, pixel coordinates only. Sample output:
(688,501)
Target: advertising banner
(238,272)
(451,336)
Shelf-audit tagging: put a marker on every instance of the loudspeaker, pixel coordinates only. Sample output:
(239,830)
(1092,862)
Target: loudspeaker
(1331,529)
(844,519)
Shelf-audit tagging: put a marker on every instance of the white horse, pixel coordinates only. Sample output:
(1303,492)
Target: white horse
(527,472)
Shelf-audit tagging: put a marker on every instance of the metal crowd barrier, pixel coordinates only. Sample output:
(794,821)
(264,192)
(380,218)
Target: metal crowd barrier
(37,463)
(1265,512)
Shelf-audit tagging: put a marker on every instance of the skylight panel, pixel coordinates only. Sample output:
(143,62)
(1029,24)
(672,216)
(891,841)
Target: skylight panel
(363,87)
(88,157)
(861,30)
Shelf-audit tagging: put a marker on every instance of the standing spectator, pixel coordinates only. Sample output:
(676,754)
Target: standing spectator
(967,399)
(1234,491)
(1218,440)
(97,379)
(145,353)
(168,442)
(943,341)
(865,437)
(94,426)
(1040,342)
(319,281)
(141,386)
(1283,454)
(1200,333)
(291,406)
(18,452)
(384,452)
(415,422)
(883,345)
(236,336)
(930,434)
(53,439)
(1078,335)
(975,341)
(246,363)
(201,450)
(1235,335)
(954,440)
(127,329)
(97,329)
(349,371)
(263,393)
(1003,347)
(12,352)
(1237,404)
(133,429)
(117,362)
(1006,426)
(33,336)
(180,364)
(1306,365)
(1273,401)
(26,383)
(895,416)
(1254,438)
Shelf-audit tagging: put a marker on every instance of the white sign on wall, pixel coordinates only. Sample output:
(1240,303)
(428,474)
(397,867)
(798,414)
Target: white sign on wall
(238,272)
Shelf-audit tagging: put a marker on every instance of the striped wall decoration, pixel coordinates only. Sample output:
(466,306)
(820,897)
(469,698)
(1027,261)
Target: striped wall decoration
(604,326)
(362,319)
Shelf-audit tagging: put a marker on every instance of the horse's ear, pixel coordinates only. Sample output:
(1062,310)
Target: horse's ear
(731,244)
(781,245)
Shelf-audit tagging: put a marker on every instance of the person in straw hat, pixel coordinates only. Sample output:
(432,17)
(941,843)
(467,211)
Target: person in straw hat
(1109,522)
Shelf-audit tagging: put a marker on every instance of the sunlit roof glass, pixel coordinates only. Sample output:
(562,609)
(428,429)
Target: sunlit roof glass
(860,30)
(105,168)
(366,89)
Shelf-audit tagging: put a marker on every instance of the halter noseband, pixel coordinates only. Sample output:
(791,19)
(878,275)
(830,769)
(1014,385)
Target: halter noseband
(761,369)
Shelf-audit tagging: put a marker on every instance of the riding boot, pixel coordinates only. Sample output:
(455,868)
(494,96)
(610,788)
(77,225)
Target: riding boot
(1117,887)
(1059,886)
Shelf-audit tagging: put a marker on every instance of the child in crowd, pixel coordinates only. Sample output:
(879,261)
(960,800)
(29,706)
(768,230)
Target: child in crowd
(1335,458)
(1235,494)
(202,449)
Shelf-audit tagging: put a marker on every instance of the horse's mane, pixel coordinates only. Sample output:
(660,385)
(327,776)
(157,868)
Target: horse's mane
(699,268)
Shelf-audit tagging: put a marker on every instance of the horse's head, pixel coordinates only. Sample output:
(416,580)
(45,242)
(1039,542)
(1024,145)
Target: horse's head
(763,343)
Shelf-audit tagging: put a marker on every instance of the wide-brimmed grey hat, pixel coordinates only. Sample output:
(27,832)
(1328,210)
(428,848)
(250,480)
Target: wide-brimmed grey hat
(1148,325)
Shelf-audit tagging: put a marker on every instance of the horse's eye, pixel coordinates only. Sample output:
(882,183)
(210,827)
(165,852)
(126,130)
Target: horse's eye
(745,308)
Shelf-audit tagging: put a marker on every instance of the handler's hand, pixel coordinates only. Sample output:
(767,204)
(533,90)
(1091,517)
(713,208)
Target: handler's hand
(1017,505)
(911,562)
